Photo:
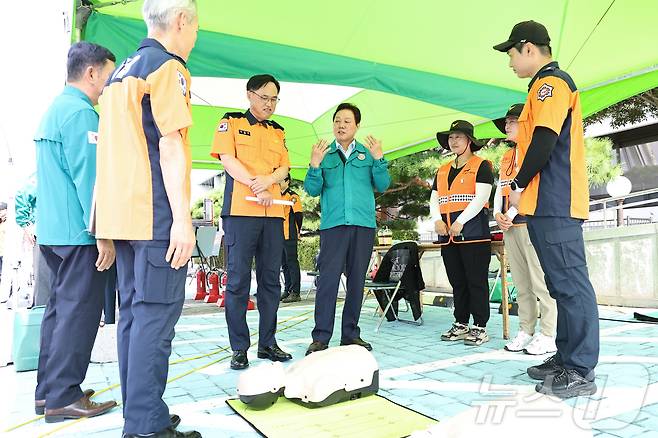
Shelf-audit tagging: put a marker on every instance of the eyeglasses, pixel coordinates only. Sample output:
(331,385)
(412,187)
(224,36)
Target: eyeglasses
(273,100)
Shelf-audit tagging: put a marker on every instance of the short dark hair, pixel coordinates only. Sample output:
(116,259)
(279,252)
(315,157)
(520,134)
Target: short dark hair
(82,55)
(348,106)
(259,81)
(543,49)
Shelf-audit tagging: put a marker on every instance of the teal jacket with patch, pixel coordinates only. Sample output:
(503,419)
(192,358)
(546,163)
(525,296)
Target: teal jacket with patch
(66,169)
(347,189)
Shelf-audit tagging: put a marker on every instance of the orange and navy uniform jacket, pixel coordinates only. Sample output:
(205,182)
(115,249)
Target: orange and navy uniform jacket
(453,199)
(145,98)
(260,147)
(292,220)
(509,167)
(560,188)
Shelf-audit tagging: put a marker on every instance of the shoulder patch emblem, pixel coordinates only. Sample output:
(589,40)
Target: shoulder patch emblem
(92,137)
(223,127)
(182,82)
(544,92)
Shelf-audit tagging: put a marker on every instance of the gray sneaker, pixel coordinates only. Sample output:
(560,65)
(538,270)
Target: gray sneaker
(476,336)
(457,331)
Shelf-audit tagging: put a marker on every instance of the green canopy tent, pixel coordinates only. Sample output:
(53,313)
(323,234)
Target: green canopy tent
(412,67)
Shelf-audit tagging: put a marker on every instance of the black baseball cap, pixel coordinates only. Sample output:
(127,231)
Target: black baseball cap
(513,111)
(525,32)
(459,126)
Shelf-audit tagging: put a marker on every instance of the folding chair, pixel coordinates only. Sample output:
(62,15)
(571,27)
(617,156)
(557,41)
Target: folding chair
(316,275)
(397,265)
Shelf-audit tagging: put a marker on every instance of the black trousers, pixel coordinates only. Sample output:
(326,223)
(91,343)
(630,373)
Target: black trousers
(343,248)
(70,323)
(290,266)
(467,266)
(561,250)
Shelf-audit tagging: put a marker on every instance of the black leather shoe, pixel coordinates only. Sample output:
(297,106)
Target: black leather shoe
(316,346)
(166,433)
(239,360)
(549,367)
(567,384)
(356,341)
(273,353)
(285,295)
(175,420)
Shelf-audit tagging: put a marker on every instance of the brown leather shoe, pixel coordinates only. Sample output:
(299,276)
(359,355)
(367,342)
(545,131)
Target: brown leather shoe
(40,405)
(82,408)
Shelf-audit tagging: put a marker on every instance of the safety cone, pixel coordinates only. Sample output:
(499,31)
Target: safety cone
(200,285)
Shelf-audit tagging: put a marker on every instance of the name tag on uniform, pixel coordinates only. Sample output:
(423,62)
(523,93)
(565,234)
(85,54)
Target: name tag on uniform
(92,137)
(361,157)
(243,132)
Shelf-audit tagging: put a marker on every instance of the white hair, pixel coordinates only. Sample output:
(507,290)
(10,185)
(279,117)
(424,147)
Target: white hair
(158,14)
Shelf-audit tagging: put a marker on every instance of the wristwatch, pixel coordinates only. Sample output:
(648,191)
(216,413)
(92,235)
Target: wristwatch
(514,185)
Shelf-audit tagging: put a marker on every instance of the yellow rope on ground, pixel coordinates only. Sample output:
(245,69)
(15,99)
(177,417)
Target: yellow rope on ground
(180,376)
(220,350)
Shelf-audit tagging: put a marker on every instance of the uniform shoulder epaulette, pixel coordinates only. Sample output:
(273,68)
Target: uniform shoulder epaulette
(275,125)
(235,115)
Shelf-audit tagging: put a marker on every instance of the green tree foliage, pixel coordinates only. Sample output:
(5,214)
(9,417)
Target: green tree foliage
(632,110)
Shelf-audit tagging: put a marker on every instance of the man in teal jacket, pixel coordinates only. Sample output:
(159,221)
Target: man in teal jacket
(66,172)
(345,174)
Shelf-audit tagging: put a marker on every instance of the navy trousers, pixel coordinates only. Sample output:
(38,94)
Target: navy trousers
(561,251)
(245,238)
(344,248)
(151,295)
(70,322)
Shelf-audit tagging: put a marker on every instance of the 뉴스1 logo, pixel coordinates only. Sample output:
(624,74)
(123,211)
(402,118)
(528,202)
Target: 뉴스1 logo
(544,92)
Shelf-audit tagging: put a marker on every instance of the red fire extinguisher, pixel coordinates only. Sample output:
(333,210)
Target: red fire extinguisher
(213,281)
(200,285)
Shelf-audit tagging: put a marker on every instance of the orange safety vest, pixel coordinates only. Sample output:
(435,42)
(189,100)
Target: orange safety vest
(290,229)
(509,168)
(454,199)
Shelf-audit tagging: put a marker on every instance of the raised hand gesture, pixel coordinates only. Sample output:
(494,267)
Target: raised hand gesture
(375,147)
(318,152)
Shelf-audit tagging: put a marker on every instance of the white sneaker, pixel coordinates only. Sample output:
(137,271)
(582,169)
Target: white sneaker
(540,344)
(521,340)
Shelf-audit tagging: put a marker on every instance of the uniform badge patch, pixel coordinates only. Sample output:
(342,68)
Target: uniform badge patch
(92,137)
(223,127)
(544,92)
(361,157)
(243,132)
(182,82)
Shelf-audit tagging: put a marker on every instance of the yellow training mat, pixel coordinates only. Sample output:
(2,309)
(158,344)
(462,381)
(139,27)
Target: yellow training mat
(373,416)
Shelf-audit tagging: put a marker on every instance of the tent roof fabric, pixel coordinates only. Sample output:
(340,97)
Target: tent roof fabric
(411,67)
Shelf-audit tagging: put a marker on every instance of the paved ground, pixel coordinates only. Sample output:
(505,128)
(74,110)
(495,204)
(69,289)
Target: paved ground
(471,390)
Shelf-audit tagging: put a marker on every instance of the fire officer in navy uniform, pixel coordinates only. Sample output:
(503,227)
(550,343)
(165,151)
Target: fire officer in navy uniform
(551,190)
(253,152)
(143,202)
(292,226)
